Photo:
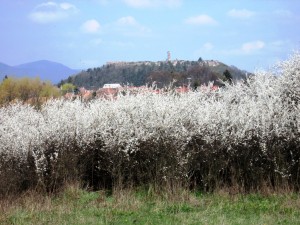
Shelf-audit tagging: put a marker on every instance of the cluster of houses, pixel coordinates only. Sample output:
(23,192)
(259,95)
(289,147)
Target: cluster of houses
(111,91)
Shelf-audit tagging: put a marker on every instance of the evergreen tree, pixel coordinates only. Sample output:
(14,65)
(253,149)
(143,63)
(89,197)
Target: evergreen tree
(228,76)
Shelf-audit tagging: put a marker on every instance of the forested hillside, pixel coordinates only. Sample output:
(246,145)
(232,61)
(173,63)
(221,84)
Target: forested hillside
(162,73)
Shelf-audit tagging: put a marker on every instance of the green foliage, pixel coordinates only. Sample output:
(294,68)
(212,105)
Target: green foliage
(228,76)
(8,90)
(31,90)
(67,88)
(49,90)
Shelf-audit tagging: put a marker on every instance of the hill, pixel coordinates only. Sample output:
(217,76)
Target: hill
(162,73)
(3,67)
(46,70)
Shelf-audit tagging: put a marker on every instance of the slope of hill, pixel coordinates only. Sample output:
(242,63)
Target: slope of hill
(162,73)
(4,67)
(44,69)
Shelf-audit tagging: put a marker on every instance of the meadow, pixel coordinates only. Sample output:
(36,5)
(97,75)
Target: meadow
(74,205)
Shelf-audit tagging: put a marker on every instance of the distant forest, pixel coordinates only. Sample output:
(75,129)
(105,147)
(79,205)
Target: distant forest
(178,72)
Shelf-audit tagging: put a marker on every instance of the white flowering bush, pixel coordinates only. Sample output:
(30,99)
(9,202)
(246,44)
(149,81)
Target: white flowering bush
(245,134)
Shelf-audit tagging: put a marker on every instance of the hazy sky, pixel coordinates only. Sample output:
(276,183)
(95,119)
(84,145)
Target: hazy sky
(87,33)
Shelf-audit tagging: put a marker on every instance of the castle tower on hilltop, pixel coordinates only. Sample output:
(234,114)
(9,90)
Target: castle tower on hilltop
(168,56)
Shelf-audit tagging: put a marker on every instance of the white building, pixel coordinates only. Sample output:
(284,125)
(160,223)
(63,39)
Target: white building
(112,86)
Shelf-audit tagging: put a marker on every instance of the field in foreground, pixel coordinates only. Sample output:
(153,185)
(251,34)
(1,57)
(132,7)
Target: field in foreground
(77,206)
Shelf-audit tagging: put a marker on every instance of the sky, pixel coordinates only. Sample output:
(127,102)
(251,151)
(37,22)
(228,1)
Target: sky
(249,34)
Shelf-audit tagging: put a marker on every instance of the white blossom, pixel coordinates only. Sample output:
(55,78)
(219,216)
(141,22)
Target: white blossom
(264,106)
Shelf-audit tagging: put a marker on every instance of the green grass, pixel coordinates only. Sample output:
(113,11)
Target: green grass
(76,206)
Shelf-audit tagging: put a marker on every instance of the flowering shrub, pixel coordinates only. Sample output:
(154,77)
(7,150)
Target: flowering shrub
(245,134)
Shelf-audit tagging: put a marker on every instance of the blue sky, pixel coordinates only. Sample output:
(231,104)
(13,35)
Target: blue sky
(250,34)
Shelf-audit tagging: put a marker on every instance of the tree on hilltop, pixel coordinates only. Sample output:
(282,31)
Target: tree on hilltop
(228,76)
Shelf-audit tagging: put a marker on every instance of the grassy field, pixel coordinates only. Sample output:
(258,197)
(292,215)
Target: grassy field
(77,206)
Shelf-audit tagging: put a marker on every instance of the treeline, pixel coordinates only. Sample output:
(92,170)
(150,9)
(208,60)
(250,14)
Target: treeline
(162,73)
(27,90)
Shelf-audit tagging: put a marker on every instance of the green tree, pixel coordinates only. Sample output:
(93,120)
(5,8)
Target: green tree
(49,90)
(8,90)
(24,89)
(29,90)
(67,88)
(196,84)
(228,76)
